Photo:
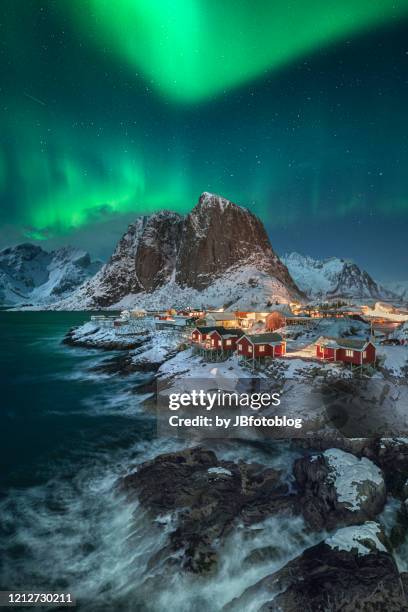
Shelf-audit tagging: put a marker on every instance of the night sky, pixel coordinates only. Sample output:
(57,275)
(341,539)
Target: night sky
(297,109)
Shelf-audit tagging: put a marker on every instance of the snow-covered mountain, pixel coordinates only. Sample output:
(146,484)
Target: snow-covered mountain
(29,274)
(399,288)
(216,255)
(333,278)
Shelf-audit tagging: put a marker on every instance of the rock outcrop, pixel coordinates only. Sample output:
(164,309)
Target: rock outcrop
(351,570)
(337,488)
(156,254)
(208,496)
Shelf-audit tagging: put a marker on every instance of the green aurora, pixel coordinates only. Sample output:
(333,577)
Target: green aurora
(191,50)
(295,109)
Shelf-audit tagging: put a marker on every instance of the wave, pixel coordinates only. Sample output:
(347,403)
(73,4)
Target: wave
(80,534)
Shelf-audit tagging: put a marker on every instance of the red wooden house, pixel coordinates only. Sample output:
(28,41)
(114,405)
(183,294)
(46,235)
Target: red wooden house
(353,351)
(257,346)
(223,339)
(200,334)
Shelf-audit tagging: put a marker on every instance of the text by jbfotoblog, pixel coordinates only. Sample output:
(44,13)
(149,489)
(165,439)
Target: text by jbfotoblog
(237,421)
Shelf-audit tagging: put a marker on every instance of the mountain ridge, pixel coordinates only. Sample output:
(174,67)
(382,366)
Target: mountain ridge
(333,277)
(218,254)
(28,273)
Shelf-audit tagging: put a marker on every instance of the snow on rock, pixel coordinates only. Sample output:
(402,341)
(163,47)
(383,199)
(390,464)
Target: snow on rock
(156,349)
(360,538)
(386,311)
(91,335)
(186,365)
(219,470)
(336,489)
(332,278)
(241,287)
(354,479)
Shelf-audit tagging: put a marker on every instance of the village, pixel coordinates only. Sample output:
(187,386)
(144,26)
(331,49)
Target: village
(359,337)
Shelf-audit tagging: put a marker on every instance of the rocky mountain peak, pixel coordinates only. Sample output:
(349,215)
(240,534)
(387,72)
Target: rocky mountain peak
(217,242)
(218,235)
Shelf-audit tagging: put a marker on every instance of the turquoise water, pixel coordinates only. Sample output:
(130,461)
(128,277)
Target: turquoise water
(66,436)
(50,403)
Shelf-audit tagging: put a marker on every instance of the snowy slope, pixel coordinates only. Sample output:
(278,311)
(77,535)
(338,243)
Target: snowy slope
(242,287)
(333,278)
(400,288)
(30,274)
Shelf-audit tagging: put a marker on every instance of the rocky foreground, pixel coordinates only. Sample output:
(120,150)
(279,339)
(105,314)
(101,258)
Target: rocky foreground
(331,502)
(351,568)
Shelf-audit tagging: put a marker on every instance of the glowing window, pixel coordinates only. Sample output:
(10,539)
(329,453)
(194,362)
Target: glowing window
(349,353)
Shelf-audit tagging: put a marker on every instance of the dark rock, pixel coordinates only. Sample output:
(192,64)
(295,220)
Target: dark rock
(263,555)
(207,502)
(123,365)
(157,249)
(324,579)
(391,454)
(218,235)
(318,499)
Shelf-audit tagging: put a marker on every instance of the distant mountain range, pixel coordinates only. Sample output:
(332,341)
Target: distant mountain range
(217,255)
(399,288)
(334,278)
(28,274)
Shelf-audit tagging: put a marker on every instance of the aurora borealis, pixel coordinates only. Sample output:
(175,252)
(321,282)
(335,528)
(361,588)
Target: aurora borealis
(296,109)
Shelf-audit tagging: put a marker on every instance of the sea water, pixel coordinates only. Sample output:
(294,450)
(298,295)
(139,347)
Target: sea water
(67,436)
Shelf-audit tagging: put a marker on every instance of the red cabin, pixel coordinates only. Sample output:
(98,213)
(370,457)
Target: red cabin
(353,351)
(224,339)
(201,334)
(258,346)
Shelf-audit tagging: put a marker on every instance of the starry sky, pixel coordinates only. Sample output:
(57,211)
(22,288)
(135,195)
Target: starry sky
(296,109)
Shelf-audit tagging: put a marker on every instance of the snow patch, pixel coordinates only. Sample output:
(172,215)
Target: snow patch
(219,470)
(362,538)
(348,473)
